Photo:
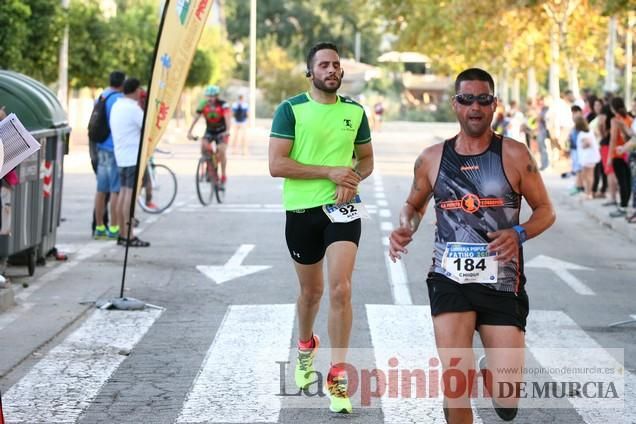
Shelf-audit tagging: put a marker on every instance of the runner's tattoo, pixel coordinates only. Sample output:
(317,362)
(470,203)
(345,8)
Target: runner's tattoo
(532,166)
(418,163)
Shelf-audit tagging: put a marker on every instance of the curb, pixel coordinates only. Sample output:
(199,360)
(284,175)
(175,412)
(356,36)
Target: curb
(6,298)
(601,214)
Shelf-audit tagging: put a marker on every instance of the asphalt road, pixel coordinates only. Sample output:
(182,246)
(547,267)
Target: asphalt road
(218,348)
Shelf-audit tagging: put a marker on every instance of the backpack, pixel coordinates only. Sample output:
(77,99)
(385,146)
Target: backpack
(98,127)
(240,113)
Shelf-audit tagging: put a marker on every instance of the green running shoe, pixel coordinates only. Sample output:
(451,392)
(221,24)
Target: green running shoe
(336,389)
(305,365)
(101,234)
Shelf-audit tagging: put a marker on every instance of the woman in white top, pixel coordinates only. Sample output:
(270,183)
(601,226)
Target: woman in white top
(589,153)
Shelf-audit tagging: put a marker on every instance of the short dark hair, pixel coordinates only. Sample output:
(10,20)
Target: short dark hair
(576,108)
(474,74)
(116,78)
(130,85)
(316,48)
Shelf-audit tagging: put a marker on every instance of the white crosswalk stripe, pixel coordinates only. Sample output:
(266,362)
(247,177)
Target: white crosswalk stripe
(233,385)
(63,383)
(406,332)
(558,343)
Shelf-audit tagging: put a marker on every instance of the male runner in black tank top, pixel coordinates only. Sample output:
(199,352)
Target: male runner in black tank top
(476,281)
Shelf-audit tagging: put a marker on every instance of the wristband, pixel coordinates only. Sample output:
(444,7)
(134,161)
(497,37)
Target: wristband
(357,172)
(521,232)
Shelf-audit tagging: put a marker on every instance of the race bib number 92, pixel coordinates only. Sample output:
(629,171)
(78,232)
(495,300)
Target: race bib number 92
(346,212)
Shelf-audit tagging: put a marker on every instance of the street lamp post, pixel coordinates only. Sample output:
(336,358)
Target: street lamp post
(252,115)
(62,91)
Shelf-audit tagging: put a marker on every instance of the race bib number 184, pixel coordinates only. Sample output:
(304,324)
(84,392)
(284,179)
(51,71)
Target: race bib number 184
(469,263)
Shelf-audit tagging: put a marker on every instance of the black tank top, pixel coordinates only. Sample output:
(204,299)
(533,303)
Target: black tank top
(473,197)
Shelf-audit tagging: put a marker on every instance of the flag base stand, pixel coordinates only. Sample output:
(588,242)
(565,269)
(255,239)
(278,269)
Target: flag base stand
(125,304)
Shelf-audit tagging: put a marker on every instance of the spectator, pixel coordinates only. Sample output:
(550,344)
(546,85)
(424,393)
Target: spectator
(543,135)
(126,121)
(574,158)
(378,115)
(588,153)
(597,120)
(107,171)
(240,114)
(616,159)
(605,124)
(515,122)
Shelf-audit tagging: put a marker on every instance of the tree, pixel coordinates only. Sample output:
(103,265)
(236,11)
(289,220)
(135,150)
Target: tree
(297,25)
(278,76)
(200,70)
(14,30)
(91,56)
(133,33)
(30,35)
(220,53)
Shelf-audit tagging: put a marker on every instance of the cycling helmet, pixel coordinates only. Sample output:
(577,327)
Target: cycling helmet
(212,90)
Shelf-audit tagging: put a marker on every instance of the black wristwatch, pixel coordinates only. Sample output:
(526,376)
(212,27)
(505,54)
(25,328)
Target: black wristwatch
(523,236)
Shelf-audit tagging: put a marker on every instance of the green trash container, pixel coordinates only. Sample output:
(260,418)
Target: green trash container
(36,201)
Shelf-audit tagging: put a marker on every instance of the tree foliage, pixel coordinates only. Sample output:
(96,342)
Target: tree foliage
(299,24)
(30,35)
(278,76)
(200,70)
(220,53)
(510,34)
(91,55)
(14,30)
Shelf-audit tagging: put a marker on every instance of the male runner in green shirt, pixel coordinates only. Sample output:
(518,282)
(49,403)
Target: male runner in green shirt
(313,139)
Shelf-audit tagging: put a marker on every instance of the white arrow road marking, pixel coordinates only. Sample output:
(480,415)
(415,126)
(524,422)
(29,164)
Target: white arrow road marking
(561,269)
(232,268)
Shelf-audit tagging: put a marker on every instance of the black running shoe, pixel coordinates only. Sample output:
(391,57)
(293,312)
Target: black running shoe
(506,414)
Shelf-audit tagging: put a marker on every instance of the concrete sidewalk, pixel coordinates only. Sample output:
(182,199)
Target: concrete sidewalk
(560,190)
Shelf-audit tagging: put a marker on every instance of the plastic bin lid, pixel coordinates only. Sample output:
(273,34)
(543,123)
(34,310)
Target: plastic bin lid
(34,103)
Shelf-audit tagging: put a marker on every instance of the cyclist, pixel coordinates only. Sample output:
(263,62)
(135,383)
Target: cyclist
(217,115)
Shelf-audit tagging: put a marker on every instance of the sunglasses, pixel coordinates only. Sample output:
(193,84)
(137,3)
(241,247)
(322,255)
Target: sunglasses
(469,99)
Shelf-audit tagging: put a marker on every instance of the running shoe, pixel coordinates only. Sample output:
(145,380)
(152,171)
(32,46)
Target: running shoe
(152,206)
(336,389)
(618,213)
(101,234)
(506,414)
(305,365)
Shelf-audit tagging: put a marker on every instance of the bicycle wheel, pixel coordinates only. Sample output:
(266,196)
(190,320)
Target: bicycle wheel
(219,188)
(204,182)
(163,183)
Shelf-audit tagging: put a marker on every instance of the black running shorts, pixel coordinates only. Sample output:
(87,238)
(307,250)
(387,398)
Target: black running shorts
(492,307)
(215,136)
(309,232)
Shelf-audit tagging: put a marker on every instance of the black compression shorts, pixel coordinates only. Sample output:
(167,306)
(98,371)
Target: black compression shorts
(492,307)
(309,232)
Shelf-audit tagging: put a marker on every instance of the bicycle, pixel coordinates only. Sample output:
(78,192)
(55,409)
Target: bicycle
(207,178)
(159,187)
